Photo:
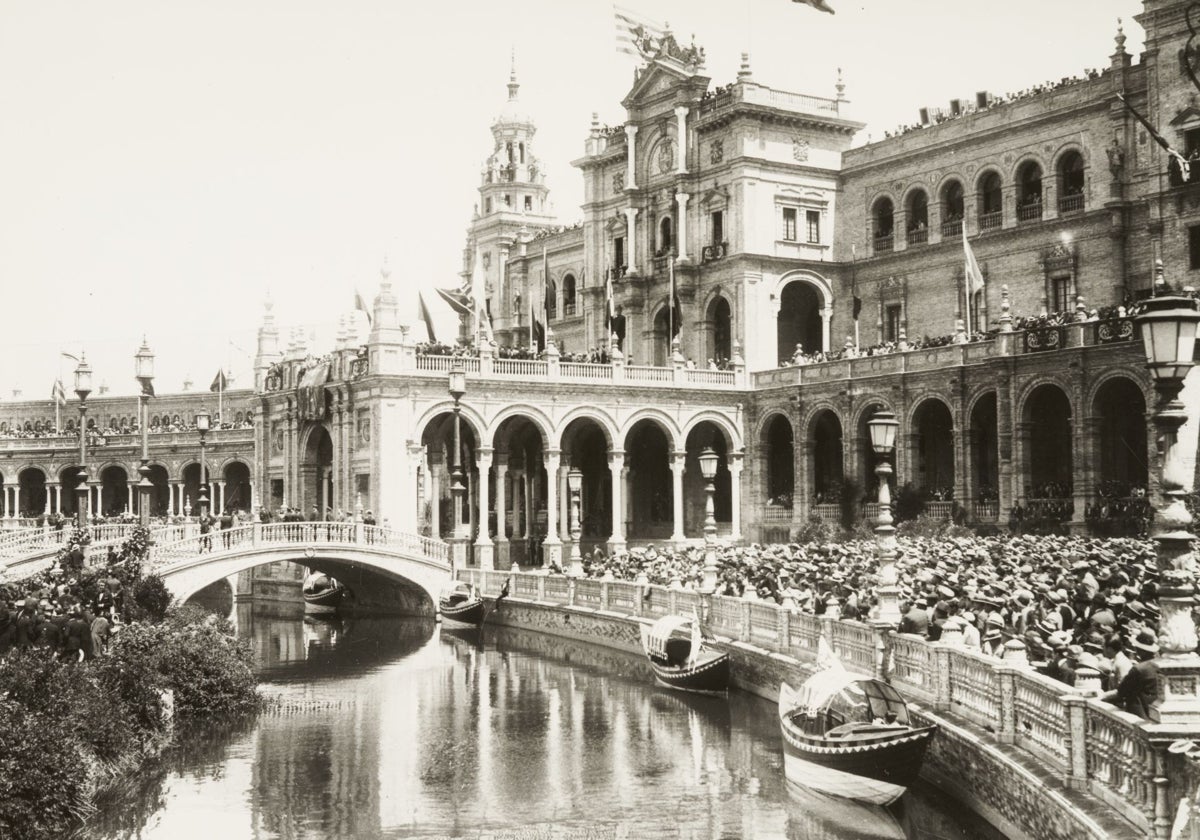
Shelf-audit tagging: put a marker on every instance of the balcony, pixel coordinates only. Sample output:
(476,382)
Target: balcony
(569,309)
(1114,331)
(618,271)
(716,251)
(1044,338)
(1071,203)
(884,244)
(952,229)
(1030,211)
(918,236)
(991,221)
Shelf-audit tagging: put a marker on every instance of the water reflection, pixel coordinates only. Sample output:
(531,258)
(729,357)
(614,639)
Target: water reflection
(391,728)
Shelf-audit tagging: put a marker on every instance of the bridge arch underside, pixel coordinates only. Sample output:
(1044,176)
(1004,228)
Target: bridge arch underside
(379,582)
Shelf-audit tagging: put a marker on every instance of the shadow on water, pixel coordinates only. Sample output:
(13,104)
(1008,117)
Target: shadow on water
(389,728)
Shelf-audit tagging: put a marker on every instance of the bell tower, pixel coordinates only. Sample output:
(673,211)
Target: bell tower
(512,195)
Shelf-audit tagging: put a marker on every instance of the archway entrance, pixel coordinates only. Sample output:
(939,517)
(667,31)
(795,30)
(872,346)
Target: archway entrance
(799,321)
(31,495)
(237,487)
(1048,453)
(651,497)
(985,457)
(520,493)
(826,464)
(660,339)
(191,490)
(704,435)
(585,445)
(933,451)
(718,332)
(160,494)
(68,480)
(114,491)
(316,475)
(1121,440)
(436,513)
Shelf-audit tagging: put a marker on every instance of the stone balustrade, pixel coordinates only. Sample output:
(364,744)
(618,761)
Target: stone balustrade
(1088,744)
(111,440)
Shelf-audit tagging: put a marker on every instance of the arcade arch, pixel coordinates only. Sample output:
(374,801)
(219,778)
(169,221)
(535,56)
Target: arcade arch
(799,322)
(1120,423)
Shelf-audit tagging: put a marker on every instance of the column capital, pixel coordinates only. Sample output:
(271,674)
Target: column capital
(630,129)
(681,110)
(678,460)
(682,197)
(616,457)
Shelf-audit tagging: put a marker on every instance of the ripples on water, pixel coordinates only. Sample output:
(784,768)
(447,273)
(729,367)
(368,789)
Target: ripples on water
(388,728)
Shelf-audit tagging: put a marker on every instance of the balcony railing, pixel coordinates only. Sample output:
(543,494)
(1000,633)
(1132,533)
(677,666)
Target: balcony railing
(884,244)
(952,229)
(1030,212)
(716,251)
(991,221)
(987,509)
(918,236)
(569,309)
(1070,203)
(1114,331)
(1044,338)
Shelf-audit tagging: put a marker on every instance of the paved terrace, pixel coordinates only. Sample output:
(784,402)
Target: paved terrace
(1077,744)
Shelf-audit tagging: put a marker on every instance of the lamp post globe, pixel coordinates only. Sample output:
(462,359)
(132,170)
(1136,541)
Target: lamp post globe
(1168,324)
(883,427)
(83,387)
(575,487)
(709,462)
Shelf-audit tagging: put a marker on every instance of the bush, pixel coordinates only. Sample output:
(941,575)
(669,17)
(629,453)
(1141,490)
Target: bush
(45,783)
(152,595)
(816,531)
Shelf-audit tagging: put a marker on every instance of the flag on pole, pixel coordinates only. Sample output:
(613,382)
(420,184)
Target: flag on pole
(219,383)
(1185,169)
(974,275)
(361,305)
(457,300)
(483,320)
(816,4)
(425,316)
(636,35)
(59,393)
(147,387)
(609,310)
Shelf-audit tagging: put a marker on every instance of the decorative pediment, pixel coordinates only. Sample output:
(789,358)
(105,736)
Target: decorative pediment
(716,197)
(1189,116)
(1058,258)
(615,226)
(655,80)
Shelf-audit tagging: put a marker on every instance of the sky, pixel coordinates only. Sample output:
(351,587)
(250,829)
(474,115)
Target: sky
(164,167)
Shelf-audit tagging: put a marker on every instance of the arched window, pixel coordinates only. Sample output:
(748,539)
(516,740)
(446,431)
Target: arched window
(918,218)
(487,204)
(70,426)
(952,209)
(249,416)
(1070,182)
(882,218)
(664,237)
(991,201)
(1029,192)
(521,147)
(551,299)
(153,422)
(114,424)
(568,295)
(37,427)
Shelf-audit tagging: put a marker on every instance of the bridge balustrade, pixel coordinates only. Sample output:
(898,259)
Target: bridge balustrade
(1089,744)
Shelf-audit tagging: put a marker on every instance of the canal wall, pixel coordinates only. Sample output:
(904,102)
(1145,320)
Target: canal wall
(981,767)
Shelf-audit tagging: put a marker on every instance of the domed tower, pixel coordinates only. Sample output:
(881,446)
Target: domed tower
(512,195)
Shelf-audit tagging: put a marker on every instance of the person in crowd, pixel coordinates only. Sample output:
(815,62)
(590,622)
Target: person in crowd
(1138,689)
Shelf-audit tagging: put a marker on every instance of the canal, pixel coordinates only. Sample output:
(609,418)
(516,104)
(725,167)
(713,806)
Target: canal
(388,728)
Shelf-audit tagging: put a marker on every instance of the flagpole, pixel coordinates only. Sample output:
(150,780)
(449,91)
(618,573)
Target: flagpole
(966,281)
(854,290)
(671,306)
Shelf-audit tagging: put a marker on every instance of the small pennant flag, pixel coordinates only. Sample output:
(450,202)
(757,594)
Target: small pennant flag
(425,316)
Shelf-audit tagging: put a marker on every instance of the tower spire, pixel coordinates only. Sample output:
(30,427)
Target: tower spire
(513,85)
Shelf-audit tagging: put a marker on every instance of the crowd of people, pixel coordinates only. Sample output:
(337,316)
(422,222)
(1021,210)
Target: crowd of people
(165,425)
(1075,602)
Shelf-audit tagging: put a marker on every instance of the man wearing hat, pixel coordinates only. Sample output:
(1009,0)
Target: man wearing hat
(916,620)
(1138,690)
(992,641)
(1114,649)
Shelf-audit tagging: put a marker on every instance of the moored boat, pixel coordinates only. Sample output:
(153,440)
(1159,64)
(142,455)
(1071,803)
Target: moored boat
(680,658)
(851,736)
(322,594)
(459,602)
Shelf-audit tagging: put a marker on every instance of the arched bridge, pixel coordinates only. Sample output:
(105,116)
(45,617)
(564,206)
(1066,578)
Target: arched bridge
(188,565)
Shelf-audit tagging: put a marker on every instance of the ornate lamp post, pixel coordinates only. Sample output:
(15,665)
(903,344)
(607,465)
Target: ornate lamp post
(883,427)
(1168,324)
(203,419)
(83,387)
(144,365)
(709,460)
(575,485)
(458,489)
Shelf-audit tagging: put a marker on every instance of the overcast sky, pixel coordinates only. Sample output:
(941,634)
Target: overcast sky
(164,165)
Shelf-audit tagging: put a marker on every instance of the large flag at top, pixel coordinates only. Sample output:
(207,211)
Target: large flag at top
(816,4)
(973,274)
(636,35)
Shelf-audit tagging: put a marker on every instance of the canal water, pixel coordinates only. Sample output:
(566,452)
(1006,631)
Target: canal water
(389,728)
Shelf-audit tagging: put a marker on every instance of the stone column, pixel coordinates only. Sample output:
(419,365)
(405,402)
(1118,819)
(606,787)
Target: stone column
(50,488)
(826,326)
(518,493)
(130,492)
(435,496)
(735,495)
(501,550)
(219,497)
(552,547)
(483,543)
(681,112)
(631,251)
(95,498)
(678,461)
(616,469)
(564,504)
(58,498)
(630,156)
(681,226)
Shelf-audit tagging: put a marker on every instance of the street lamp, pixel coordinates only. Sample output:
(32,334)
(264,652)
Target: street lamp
(83,387)
(709,460)
(458,489)
(203,420)
(144,367)
(1168,324)
(883,427)
(575,485)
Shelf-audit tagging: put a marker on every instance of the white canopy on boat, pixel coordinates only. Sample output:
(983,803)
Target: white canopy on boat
(853,696)
(654,638)
(458,587)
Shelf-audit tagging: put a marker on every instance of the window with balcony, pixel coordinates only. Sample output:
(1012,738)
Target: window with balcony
(1029,192)
(568,295)
(918,218)
(812,225)
(1194,247)
(788,234)
(618,256)
(953,206)
(1070,179)
(665,239)
(991,202)
(718,227)
(883,220)
(891,322)
(1060,294)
